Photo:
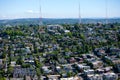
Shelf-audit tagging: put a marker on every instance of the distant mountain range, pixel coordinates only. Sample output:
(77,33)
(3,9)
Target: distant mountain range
(28,21)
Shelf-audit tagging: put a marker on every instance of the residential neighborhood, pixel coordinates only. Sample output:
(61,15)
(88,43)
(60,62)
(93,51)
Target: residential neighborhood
(60,52)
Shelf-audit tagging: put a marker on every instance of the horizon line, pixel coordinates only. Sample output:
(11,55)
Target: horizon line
(62,18)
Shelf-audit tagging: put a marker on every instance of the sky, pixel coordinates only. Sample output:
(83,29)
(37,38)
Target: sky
(14,9)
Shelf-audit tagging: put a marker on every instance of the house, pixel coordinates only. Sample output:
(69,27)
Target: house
(72,60)
(110,76)
(101,52)
(1,61)
(43,78)
(54,27)
(62,60)
(66,31)
(46,69)
(29,60)
(58,68)
(108,69)
(13,63)
(27,49)
(88,56)
(35,77)
(15,79)
(67,68)
(72,78)
(115,61)
(78,59)
(100,71)
(0,38)
(22,72)
(88,72)
(117,67)
(53,77)
(94,77)
(97,64)
(114,50)
(83,67)
(28,78)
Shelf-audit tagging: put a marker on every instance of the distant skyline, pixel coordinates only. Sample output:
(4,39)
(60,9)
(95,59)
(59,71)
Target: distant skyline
(14,9)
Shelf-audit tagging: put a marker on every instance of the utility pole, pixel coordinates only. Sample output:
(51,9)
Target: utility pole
(40,13)
(106,7)
(79,13)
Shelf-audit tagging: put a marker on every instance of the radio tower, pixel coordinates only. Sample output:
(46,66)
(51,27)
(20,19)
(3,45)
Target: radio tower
(106,6)
(40,12)
(79,13)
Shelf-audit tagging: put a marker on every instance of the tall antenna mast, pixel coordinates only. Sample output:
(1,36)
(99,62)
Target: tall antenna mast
(79,13)
(106,6)
(40,12)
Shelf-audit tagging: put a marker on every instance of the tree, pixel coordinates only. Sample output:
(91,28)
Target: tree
(3,55)
(69,34)
(69,74)
(2,78)
(19,61)
(2,74)
(10,70)
(38,71)
(38,64)
(82,36)
(24,65)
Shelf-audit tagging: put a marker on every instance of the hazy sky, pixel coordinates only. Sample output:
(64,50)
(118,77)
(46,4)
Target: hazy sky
(11,9)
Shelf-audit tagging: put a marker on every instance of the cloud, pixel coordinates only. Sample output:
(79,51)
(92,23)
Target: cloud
(30,11)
